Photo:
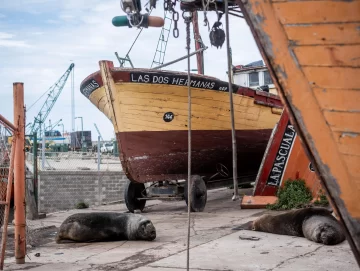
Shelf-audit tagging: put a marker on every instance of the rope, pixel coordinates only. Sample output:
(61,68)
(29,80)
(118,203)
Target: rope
(38,99)
(137,35)
(187,22)
(233,136)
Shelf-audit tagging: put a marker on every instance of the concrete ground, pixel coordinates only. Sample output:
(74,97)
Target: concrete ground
(214,245)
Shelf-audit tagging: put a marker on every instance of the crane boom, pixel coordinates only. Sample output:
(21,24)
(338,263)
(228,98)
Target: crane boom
(54,93)
(50,127)
(97,129)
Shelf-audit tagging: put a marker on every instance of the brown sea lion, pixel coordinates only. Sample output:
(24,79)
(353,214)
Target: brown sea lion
(315,224)
(106,226)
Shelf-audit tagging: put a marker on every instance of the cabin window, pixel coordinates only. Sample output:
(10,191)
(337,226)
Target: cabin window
(267,78)
(253,79)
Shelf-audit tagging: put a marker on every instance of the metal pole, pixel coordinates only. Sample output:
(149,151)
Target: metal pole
(7,123)
(198,43)
(98,167)
(35,166)
(187,22)
(40,123)
(233,130)
(179,59)
(98,153)
(116,149)
(82,134)
(43,153)
(19,174)
(72,102)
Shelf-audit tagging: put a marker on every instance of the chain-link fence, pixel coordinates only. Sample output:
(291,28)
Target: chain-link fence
(4,173)
(65,179)
(5,198)
(73,161)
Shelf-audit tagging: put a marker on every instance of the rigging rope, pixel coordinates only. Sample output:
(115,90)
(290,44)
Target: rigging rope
(151,9)
(38,99)
(187,22)
(233,137)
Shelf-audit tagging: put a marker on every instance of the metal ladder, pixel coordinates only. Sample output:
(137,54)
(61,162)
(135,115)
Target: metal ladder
(163,40)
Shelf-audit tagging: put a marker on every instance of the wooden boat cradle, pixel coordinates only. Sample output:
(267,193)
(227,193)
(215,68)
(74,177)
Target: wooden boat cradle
(312,50)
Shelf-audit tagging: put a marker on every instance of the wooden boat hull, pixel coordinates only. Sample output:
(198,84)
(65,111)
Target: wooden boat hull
(285,159)
(312,49)
(149,112)
(162,155)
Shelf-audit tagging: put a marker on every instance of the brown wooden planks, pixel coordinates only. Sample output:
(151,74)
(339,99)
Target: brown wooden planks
(343,121)
(348,143)
(338,99)
(328,55)
(333,77)
(352,162)
(305,12)
(322,34)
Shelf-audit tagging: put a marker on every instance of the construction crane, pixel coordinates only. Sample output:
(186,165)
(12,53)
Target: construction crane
(97,129)
(52,126)
(53,94)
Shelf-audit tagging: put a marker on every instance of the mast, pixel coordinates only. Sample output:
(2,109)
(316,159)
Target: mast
(198,43)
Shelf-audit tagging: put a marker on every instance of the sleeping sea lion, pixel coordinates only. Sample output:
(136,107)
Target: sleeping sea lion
(104,226)
(315,224)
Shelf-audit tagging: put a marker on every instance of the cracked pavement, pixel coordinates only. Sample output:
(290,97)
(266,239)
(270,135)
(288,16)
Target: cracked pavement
(213,246)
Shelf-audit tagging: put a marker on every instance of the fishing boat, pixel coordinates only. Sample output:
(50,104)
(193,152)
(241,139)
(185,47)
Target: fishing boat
(148,109)
(312,49)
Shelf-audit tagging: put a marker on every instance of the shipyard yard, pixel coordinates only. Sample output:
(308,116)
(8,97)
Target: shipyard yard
(214,245)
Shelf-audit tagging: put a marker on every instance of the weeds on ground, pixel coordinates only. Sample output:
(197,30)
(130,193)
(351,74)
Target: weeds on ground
(294,194)
(322,200)
(81,205)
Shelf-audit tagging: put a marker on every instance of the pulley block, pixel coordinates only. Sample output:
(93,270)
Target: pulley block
(217,35)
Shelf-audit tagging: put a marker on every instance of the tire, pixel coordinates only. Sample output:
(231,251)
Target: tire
(132,192)
(198,194)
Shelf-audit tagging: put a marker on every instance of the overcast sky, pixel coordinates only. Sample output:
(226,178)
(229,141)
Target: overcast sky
(39,39)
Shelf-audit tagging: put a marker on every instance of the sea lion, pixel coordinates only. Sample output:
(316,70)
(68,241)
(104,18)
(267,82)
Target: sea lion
(106,226)
(316,224)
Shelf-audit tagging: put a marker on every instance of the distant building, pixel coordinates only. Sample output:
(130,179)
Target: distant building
(253,75)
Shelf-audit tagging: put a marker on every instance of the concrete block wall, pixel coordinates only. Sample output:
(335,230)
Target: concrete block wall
(58,190)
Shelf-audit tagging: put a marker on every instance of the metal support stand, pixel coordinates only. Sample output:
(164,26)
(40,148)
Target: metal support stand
(179,59)
(123,60)
(19,175)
